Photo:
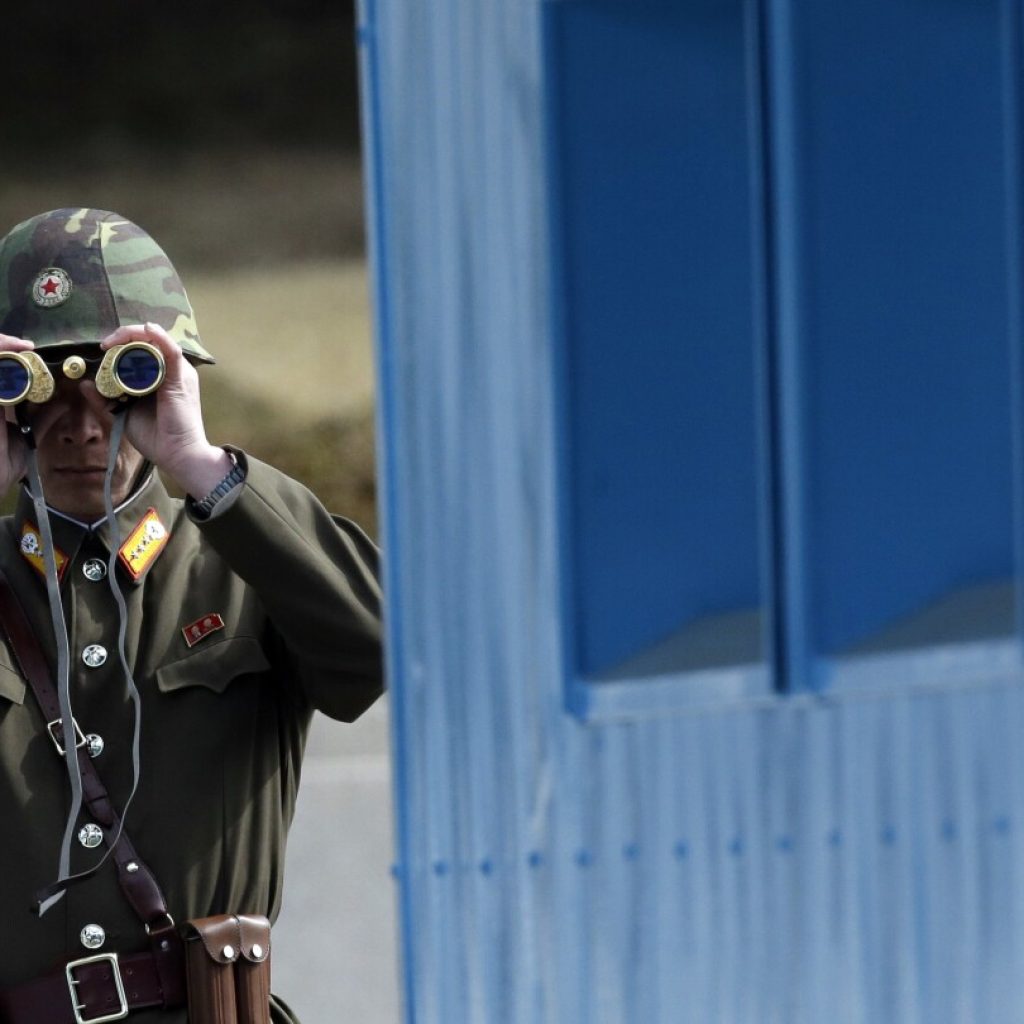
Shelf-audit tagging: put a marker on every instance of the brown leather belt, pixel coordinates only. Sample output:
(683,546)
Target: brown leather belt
(92,990)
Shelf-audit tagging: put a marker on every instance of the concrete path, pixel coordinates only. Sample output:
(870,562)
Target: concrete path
(335,943)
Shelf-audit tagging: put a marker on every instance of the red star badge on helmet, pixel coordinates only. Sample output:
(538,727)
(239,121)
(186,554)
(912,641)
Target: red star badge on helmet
(51,287)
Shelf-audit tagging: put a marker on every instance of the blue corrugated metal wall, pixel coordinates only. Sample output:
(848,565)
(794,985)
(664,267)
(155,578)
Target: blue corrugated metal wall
(820,852)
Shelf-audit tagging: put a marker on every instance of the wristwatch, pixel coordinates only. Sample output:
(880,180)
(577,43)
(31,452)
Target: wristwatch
(205,506)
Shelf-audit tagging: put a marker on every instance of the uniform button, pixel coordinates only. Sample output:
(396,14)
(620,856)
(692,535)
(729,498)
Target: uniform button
(90,835)
(93,936)
(94,569)
(94,744)
(94,655)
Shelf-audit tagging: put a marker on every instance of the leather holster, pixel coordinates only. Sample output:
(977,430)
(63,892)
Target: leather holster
(227,961)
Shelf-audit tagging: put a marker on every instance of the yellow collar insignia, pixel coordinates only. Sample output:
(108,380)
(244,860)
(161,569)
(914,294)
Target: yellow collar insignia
(31,548)
(144,543)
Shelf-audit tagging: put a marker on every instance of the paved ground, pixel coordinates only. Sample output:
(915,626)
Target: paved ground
(335,943)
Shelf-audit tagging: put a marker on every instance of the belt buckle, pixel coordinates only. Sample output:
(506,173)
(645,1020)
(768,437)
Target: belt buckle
(77,1007)
(58,724)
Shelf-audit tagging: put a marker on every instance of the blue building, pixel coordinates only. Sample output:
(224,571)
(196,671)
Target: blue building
(699,334)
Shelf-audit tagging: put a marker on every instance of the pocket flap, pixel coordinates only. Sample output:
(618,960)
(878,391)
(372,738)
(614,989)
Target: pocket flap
(214,666)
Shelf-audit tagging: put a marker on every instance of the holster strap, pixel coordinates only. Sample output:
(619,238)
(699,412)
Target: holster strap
(228,937)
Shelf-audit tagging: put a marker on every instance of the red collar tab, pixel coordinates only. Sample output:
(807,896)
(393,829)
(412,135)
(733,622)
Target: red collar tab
(144,543)
(31,548)
(202,628)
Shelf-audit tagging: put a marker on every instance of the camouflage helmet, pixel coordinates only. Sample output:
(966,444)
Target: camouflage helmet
(70,277)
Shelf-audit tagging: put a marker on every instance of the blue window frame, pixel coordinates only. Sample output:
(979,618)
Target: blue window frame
(787,311)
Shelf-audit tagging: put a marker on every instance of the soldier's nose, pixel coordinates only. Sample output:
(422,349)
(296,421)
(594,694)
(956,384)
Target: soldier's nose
(80,423)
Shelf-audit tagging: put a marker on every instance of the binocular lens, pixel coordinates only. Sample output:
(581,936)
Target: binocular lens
(127,371)
(138,370)
(14,380)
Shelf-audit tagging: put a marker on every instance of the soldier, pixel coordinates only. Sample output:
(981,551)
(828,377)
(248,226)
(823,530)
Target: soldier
(188,642)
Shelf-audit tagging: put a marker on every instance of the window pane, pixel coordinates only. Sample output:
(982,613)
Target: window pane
(655,150)
(899,347)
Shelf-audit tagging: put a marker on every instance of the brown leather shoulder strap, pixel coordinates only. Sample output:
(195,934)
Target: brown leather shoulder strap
(140,887)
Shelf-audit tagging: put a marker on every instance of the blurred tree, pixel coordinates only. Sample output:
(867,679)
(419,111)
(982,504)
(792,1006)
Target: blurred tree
(112,75)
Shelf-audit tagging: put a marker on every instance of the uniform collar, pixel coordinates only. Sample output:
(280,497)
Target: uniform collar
(140,547)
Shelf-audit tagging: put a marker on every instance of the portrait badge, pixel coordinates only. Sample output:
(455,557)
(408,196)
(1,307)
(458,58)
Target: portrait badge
(31,548)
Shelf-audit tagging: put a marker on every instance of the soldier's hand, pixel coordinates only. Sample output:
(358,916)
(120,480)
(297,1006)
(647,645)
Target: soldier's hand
(12,447)
(167,426)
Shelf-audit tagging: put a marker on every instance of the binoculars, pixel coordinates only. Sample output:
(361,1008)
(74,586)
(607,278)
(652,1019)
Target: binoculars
(128,371)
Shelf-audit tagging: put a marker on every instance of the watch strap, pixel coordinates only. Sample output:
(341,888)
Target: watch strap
(204,506)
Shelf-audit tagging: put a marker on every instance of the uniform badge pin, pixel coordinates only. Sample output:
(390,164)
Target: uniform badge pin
(202,627)
(51,287)
(31,548)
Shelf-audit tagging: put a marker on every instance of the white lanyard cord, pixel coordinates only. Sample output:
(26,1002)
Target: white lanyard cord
(63,662)
(120,416)
(60,633)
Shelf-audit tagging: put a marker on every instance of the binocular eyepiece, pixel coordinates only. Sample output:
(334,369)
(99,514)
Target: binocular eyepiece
(127,371)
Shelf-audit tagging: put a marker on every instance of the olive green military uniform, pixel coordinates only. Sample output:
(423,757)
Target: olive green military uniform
(224,721)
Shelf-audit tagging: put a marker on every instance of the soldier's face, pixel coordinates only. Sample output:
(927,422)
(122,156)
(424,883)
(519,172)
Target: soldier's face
(72,441)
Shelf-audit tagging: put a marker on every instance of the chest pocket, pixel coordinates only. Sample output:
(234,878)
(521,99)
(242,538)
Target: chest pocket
(212,666)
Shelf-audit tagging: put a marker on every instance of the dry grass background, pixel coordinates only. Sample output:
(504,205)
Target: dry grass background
(270,246)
